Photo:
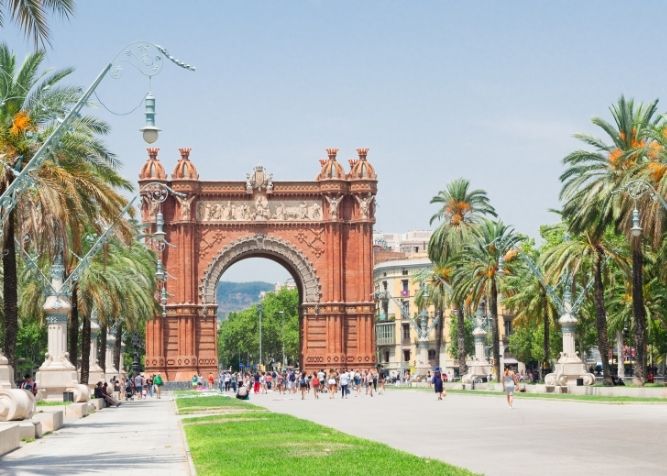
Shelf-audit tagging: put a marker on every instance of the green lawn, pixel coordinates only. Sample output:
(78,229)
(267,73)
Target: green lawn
(548,396)
(44,403)
(246,439)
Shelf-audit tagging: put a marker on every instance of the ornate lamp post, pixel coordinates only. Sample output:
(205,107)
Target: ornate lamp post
(479,368)
(637,189)
(147,58)
(423,328)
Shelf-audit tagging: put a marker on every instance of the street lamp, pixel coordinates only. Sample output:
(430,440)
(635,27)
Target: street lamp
(636,229)
(259,311)
(149,131)
(145,57)
(282,319)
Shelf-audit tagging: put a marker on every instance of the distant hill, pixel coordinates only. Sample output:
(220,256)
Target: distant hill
(236,296)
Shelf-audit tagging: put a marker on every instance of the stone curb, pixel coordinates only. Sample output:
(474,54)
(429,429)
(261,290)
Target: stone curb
(191,464)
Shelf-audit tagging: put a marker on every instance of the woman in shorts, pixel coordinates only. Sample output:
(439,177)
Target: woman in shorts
(332,385)
(508,385)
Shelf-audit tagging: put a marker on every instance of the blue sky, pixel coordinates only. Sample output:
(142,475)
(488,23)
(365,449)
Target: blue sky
(491,91)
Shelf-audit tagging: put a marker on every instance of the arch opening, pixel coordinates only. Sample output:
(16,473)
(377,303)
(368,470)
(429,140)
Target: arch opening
(279,311)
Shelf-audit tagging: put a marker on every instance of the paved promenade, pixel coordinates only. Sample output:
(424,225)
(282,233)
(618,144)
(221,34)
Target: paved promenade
(139,438)
(482,434)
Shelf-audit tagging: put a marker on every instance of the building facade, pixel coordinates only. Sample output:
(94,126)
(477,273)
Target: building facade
(406,336)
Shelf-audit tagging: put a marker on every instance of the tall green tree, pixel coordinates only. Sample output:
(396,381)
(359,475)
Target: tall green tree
(587,253)
(460,209)
(526,296)
(436,290)
(75,189)
(238,335)
(492,245)
(120,282)
(591,185)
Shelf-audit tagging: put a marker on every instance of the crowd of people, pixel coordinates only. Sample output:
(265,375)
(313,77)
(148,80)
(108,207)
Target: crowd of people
(290,382)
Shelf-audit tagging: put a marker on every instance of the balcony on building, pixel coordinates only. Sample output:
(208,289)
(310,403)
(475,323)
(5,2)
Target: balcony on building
(384,332)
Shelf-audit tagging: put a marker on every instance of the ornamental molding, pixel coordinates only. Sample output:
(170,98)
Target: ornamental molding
(263,245)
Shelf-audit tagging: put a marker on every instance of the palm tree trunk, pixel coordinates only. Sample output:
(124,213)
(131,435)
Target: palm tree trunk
(493,308)
(439,335)
(638,310)
(102,349)
(73,328)
(546,348)
(601,316)
(118,346)
(85,349)
(9,286)
(461,339)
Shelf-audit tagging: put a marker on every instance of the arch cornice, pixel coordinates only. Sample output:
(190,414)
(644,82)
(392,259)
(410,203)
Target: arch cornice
(260,244)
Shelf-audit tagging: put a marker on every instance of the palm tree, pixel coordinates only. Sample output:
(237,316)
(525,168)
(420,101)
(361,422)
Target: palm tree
(119,282)
(74,192)
(492,245)
(526,296)
(591,183)
(459,210)
(437,281)
(587,253)
(31,15)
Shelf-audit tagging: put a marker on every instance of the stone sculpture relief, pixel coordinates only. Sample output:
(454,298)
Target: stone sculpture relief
(185,204)
(333,205)
(258,209)
(365,204)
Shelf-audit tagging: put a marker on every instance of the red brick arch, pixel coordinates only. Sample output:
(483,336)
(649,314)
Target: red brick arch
(321,231)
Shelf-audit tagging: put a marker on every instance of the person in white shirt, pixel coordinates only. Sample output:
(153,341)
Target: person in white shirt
(344,382)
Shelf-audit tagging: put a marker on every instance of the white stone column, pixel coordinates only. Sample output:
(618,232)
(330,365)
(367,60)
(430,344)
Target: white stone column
(57,374)
(620,372)
(95,372)
(480,366)
(110,371)
(6,373)
(570,367)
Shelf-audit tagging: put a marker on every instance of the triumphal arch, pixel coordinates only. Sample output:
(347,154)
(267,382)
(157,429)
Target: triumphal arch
(321,231)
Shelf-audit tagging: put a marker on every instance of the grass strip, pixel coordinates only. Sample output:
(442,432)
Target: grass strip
(620,400)
(44,403)
(260,442)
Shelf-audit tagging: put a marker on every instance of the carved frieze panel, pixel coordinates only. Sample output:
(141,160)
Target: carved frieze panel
(260,208)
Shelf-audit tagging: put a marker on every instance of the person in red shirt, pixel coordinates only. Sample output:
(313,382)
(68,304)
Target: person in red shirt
(211,380)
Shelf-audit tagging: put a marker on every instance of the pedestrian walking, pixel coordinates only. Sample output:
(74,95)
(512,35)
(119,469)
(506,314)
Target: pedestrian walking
(508,385)
(439,384)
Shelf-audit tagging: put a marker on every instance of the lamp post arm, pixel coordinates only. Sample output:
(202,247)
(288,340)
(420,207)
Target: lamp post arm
(137,54)
(551,292)
(22,180)
(85,261)
(35,267)
(638,187)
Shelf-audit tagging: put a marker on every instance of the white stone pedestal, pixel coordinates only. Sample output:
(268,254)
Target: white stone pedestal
(479,367)
(6,373)
(423,366)
(110,371)
(95,372)
(569,367)
(57,374)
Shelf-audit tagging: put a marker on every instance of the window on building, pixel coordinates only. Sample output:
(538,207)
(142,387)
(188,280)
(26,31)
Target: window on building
(406,356)
(405,272)
(405,289)
(386,356)
(384,285)
(406,331)
(405,311)
(431,354)
(508,328)
(416,249)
